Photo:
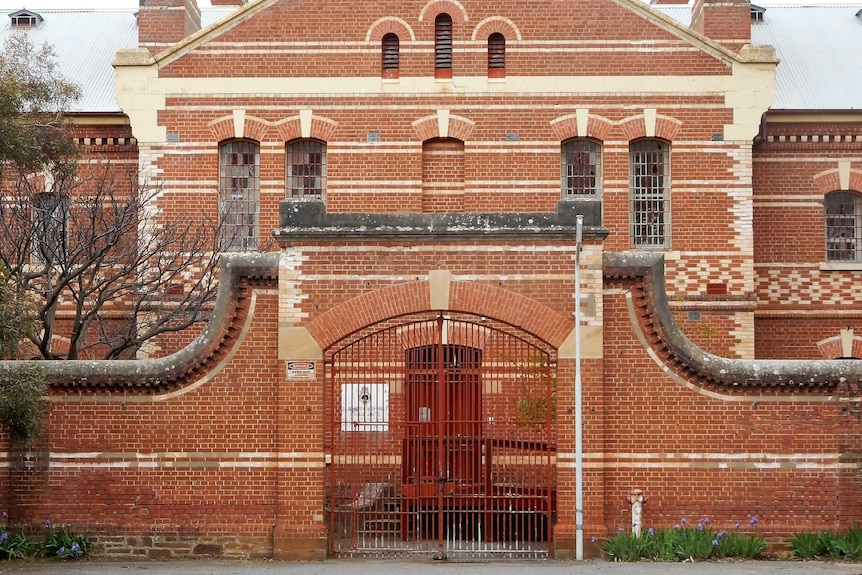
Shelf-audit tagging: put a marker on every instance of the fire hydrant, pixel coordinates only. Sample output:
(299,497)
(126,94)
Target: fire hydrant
(636,497)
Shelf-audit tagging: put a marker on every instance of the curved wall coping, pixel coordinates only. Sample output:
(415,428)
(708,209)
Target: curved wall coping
(156,375)
(816,374)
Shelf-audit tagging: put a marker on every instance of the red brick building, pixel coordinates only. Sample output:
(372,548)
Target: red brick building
(396,373)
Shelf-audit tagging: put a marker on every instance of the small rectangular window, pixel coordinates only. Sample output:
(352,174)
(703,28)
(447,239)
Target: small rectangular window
(581,169)
(306,170)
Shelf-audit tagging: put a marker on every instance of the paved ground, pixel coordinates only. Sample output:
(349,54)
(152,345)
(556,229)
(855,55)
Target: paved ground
(424,567)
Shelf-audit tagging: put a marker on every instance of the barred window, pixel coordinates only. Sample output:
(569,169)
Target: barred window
(239,191)
(581,169)
(649,183)
(443,46)
(496,55)
(51,227)
(391,55)
(843,227)
(306,170)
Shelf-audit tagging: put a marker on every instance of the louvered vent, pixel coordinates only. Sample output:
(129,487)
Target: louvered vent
(443,42)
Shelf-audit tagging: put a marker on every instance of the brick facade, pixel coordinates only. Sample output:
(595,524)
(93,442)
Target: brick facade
(444,198)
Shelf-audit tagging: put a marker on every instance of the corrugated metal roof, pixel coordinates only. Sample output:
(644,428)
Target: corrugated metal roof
(820,48)
(86,42)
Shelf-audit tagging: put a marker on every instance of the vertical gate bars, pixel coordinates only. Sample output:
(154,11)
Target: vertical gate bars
(441,435)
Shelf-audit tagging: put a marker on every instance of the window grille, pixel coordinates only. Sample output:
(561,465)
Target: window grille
(843,227)
(51,227)
(443,43)
(239,188)
(581,169)
(391,55)
(496,52)
(306,170)
(649,181)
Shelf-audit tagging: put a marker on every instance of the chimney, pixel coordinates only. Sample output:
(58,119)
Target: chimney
(162,23)
(725,21)
(228,2)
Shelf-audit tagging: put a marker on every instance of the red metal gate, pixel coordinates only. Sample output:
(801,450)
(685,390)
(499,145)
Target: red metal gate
(441,436)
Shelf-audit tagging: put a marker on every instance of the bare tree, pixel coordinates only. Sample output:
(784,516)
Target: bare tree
(86,245)
(105,271)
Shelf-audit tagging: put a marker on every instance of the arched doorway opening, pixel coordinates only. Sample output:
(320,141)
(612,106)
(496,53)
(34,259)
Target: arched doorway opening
(441,435)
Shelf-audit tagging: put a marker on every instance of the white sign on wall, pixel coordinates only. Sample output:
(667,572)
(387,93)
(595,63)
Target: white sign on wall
(364,407)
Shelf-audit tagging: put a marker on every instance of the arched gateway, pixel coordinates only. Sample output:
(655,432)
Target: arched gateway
(441,429)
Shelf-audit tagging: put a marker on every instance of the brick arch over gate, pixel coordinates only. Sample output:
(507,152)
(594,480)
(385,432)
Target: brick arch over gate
(468,297)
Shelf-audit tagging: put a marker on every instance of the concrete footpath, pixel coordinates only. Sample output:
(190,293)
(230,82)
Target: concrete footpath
(423,567)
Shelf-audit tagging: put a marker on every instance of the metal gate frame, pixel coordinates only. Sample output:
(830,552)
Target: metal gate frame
(440,440)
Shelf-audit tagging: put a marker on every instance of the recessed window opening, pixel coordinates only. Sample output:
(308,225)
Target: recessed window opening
(649,181)
(843,227)
(391,56)
(581,169)
(239,194)
(51,227)
(306,170)
(443,46)
(496,55)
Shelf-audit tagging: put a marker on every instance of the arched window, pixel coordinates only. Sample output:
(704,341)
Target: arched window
(306,170)
(581,169)
(239,194)
(496,55)
(443,46)
(843,226)
(391,56)
(649,193)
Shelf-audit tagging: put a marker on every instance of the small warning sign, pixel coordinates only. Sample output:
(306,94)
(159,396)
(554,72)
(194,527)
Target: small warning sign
(300,370)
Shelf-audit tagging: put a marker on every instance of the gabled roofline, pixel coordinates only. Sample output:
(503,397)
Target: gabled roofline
(708,45)
(25,12)
(642,9)
(215,29)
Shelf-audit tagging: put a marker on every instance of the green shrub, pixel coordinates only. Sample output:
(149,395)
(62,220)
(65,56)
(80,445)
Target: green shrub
(808,545)
(63,543)
(685,542)
(841,545)
(15,546)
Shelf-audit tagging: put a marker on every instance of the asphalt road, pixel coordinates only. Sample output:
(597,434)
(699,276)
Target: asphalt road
(423,567)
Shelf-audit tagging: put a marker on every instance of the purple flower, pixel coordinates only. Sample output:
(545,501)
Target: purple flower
(4,516)
(48,523)
(684,521)
(738,524)
(676,526)
(75,548)
(594,539)
(715,542)
(4,536)
(753,521)
(61,550)
(622,530)
(721,534)
(651,532)
(706,521)
(700,526)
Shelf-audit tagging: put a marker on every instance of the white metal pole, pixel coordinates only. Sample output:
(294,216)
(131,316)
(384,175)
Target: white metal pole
(579,447)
